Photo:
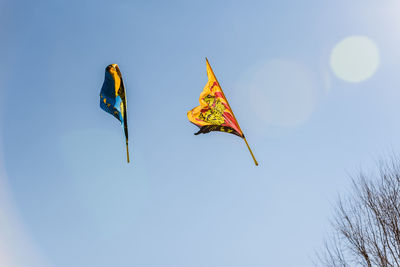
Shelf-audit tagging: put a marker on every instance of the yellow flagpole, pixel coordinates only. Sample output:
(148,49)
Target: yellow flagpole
(127,151)
(125,112)
(251,152)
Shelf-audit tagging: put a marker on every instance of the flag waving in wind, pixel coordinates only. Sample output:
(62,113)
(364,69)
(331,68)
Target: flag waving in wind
(113,98)
(214,112)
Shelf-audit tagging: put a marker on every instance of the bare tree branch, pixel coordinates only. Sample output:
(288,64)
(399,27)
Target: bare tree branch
(366,223)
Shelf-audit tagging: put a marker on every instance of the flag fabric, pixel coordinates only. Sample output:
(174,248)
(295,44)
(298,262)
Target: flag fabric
(113,93)
(113,97)
(214,112)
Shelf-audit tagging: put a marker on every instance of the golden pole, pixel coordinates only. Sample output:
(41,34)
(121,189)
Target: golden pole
(127,151)
(125,111)
(255,161)
(251,152)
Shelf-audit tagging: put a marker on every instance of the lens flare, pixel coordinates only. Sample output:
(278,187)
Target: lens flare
(281,94)
(355,59)
(17,248)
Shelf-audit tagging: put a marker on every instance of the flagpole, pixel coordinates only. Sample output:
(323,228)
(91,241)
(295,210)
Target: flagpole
(126,132)
(251,152)
(247,144)
(127,151)
(124,115)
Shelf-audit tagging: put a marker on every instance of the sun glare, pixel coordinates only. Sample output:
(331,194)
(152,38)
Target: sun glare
(355,59)
(282,93)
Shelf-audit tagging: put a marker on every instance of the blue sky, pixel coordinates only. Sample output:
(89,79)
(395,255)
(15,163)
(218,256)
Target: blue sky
(67,196)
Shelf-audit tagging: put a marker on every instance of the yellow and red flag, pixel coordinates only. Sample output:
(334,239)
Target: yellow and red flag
(214,112)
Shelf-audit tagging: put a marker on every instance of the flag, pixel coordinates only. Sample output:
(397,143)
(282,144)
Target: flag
(214,112)
(113,97)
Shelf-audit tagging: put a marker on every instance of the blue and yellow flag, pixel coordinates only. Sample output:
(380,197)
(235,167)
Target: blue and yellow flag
(113,97)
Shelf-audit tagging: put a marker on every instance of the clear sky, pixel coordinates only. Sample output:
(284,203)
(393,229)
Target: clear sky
(314,85)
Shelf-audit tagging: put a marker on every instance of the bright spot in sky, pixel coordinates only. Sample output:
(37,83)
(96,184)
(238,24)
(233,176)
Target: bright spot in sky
(17,248)
(283,93)
(355,59)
